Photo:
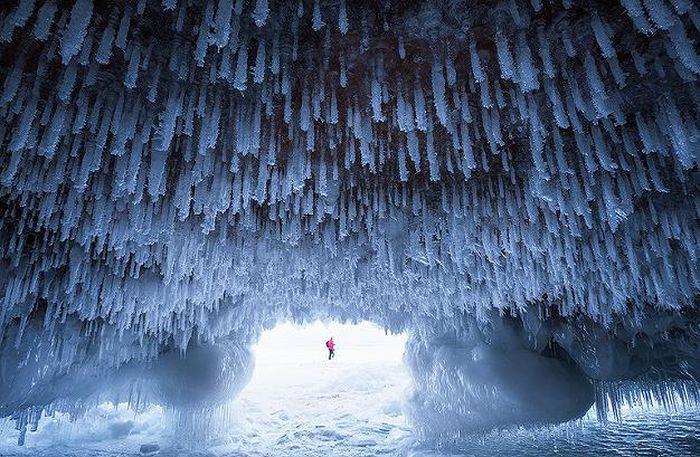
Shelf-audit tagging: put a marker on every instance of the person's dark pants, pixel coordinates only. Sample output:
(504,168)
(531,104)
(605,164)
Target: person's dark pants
(331,353)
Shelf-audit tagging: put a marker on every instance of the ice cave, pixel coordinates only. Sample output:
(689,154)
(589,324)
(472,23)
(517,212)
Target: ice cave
(511,186)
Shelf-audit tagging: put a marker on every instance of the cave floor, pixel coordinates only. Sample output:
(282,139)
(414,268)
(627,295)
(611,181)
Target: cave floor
(305,406)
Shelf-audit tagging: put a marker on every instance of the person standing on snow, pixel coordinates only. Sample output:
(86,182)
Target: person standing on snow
(331,348)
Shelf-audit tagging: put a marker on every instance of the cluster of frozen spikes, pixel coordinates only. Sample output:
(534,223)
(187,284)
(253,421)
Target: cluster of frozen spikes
(163,161)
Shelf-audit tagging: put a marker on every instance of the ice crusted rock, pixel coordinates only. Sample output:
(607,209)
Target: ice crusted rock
(149,449)
(175,176)
(471,380)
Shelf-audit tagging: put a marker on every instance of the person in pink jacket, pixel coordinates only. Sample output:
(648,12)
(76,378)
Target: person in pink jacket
(331,348)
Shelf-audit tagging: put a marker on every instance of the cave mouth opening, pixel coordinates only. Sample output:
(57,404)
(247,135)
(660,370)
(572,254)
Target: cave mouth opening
(296,391)
(295,399)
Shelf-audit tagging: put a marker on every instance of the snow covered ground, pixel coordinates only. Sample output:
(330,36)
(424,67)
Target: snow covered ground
(299,404)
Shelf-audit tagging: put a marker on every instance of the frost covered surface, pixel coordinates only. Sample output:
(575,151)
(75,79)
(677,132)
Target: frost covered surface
(492,176)
(300,405)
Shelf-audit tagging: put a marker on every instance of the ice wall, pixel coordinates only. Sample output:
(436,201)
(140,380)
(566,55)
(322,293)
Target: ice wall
(473,379)
(175,174)
(532,369)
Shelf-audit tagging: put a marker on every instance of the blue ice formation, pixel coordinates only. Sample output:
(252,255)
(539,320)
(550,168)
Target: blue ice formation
(512,182)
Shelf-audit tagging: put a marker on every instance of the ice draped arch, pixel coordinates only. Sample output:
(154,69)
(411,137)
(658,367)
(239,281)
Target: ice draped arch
(497,178)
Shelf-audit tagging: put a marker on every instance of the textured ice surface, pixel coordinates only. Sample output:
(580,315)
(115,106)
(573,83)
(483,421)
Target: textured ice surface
(495,178)
(645,433)
(298,404)
(464,383)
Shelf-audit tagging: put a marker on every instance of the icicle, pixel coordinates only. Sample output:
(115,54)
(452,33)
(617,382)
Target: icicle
(259,72)
(566,41)
(505,59)
(203,35)
(44,19)
(598,95)
(403,171)
(334,108)
(485,93)
(636,12)
(404,112)
(241,76)
(275,60)
(21,134)
(527,74)
(419,100)
(662,16)
(619,75)
(438,82)
(343,72)
(684,48)
(74,33)
(120,40)
(450,71)
(601,36)
(222,23)
(317,23)
(679,140)
(65,88)
(305,110)
(12,83)
(413,149)
(24,10)
(468,162)
(536,140)
(464,108)
(16,18)
(545,53)
(432,157)
(132,70)
(342,18)
(261,12)
(168,119)
(376,97)
(557,108)
(104,49)
(310,138)
(601,149)
(52,134)
(477,71)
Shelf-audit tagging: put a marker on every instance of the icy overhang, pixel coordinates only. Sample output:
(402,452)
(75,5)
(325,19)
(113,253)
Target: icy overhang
(176,173)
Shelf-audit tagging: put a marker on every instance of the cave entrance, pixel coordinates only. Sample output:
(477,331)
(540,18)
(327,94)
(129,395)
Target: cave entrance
(296,393)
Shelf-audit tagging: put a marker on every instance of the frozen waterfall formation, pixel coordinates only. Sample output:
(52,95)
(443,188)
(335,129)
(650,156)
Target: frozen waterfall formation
(514,183)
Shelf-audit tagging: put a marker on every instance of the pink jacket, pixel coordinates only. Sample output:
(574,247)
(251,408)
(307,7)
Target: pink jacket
(330,344)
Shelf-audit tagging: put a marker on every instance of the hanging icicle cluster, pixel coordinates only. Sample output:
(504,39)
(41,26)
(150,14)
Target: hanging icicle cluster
(160,160)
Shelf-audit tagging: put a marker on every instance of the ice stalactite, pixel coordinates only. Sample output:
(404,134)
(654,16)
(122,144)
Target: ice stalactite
(167,163)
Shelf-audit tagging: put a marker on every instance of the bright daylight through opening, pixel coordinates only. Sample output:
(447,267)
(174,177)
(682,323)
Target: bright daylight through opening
(296,402)
(297,395)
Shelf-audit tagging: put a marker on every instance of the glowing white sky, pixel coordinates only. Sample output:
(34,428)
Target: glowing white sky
(293,374)
(292,340)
